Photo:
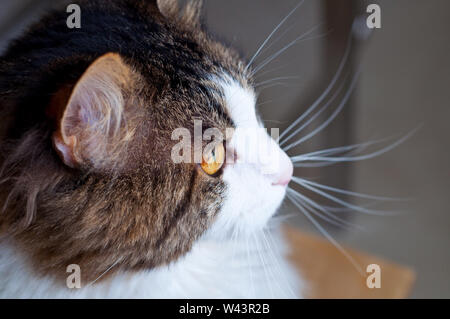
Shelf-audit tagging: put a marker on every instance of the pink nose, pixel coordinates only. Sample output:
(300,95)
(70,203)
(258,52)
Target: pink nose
(284,175)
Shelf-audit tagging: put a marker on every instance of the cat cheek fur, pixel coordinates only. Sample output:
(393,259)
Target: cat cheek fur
(113,197)
(251,197)
(87,176)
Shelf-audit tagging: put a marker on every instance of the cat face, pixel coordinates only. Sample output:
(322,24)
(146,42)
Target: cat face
(89,140)
(255,184)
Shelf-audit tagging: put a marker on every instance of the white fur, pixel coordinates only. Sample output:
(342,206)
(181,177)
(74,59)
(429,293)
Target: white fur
(230,269)
(251,199)
(236,258)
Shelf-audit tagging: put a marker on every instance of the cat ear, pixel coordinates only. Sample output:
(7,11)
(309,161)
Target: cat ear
(168,8)
(189,15)
(92,123)
(192,13)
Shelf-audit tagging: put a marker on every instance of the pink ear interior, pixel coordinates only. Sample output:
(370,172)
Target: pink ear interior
(93,113)
(65,149)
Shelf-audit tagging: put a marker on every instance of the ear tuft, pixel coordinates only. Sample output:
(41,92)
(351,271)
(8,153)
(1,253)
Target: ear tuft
(168,8)
(192,13)
(65,149)
(189,15)
(93,123)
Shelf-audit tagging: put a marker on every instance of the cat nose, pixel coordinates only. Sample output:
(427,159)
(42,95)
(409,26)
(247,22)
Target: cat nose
(286,169)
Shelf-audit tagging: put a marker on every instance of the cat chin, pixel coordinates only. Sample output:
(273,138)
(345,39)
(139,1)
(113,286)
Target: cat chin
(250,202)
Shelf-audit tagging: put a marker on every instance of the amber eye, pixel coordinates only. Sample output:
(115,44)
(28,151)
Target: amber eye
(213,159)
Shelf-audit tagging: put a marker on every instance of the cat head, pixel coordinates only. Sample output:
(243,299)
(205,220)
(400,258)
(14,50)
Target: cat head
(95,122)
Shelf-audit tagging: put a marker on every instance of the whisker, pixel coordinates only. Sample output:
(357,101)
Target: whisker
(329,217)
(342,202)
(332,116)
(327,235)
(272,33)
(107,270)
(332,221)
(281,36)
(264,87)
(272,121)
(252,285)
(314,165)
(346,192)
(299,39)
(264,103)
(363,157)
(276,79)
(317,114)
(325,93)
(333,209)
(273,69)
(304,161)
(277,263)
(336,150)
(264,264)
(268,249)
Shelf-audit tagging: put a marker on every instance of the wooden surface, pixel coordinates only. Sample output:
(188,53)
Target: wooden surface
(329,274)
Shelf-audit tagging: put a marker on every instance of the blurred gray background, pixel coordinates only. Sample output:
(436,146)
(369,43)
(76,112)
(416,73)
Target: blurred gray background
(404,83)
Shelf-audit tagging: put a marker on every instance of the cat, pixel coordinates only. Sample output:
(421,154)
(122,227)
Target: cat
(87,177)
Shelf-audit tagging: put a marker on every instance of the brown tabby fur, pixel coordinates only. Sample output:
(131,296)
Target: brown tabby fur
(138,210)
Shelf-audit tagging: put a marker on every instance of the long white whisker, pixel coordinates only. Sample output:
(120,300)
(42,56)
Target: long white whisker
(327,235)
(299,39)
(268,248)
(345,192)
(281,36)
(269,268)
(273,69)
(264,103)
(325,93)
(331,118)
(264,87)
(317,114)
(107,270)
(276,79)
(333,209)
(342,202)
(277,263)
(263,261)
(363,157)
(272,33)
(252,285)
(336,150)
(314,206)
(332,221)
(302,161)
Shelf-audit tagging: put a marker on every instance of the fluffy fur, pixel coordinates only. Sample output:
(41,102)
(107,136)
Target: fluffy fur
(86,173)
(239,268)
